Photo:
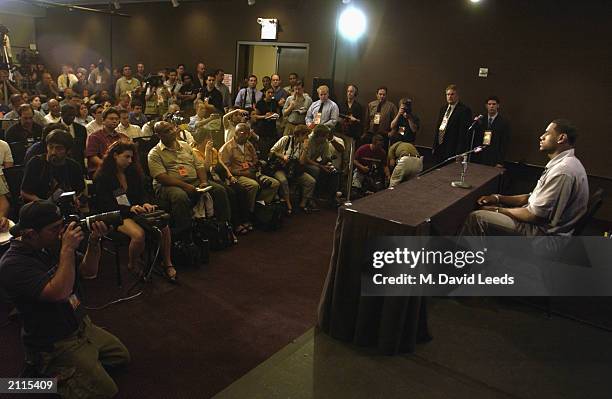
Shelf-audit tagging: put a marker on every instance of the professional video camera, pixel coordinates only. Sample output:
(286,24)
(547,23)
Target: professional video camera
(66,203)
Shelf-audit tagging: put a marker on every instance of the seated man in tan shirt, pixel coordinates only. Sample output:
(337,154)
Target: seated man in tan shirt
(241,159)
(178,174)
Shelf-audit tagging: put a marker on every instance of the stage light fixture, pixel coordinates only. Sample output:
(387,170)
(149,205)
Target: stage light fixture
(175,3)
(251,2)
(352,23)
(475,1)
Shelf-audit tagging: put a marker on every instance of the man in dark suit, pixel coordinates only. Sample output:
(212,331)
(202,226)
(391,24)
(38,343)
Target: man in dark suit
(494,132)
(78,133)
(451,128)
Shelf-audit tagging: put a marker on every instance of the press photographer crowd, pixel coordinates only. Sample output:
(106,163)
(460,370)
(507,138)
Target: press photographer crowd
(173,159)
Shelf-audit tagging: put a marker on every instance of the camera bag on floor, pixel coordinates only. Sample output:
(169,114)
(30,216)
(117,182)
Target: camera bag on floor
(188,253)
(218,234)
(269,217)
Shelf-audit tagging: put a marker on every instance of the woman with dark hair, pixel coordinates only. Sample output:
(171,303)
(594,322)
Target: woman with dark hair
(83,116)
(36,103)
(119,185)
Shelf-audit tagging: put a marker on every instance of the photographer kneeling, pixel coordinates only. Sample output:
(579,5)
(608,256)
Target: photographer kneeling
(120,186)
(41,279)
(371,169)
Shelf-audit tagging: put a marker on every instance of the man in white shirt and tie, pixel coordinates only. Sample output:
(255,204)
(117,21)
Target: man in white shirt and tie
(248,97)
(323,111)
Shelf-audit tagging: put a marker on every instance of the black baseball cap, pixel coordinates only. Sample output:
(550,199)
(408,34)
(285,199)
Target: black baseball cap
(36,215)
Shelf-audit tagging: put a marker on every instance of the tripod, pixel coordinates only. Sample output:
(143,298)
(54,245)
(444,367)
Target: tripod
(5,54)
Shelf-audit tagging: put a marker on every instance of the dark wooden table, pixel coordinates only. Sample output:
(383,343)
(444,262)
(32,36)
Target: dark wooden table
(427,205)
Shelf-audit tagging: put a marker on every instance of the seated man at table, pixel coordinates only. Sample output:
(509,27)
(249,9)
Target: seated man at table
(239,155)
(50,174)
(371,170)
(405,161)
(558,201)
(178,174)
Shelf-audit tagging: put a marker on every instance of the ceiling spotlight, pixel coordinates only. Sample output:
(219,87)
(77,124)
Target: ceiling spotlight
(251,2)
(175,3)
(346,1)
(352,23)
(116,4)
(475,1)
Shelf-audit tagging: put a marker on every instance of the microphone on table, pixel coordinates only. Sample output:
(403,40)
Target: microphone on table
(475,122)
(480,148)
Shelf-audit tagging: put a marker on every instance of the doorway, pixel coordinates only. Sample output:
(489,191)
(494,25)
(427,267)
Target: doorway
(265,59)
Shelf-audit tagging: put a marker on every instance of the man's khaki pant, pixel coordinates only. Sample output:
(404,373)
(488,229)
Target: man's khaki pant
(254,193)
(305,181)
(489,223)
(407,167)
(79,362)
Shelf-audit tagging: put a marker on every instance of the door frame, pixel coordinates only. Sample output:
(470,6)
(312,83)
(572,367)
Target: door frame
(268,43)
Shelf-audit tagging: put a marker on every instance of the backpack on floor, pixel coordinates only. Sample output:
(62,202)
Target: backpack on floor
(268,217)
(219,235)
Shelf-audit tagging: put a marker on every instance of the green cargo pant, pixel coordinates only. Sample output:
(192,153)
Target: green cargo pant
(79,362)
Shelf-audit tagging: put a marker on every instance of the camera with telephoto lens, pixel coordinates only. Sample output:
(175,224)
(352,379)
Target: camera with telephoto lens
(261,168)
(111,219)
(408,108)
(332,168)
(66,203)
(176,118)
(262,181)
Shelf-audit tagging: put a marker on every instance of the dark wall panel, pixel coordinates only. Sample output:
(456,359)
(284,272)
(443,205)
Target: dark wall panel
(546,59)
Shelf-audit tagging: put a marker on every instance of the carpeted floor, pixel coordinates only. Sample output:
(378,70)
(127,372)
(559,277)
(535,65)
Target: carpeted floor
(195,339)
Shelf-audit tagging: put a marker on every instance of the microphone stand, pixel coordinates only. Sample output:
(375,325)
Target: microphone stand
(457,183)
(461,183)
(472,128)
(466,155)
